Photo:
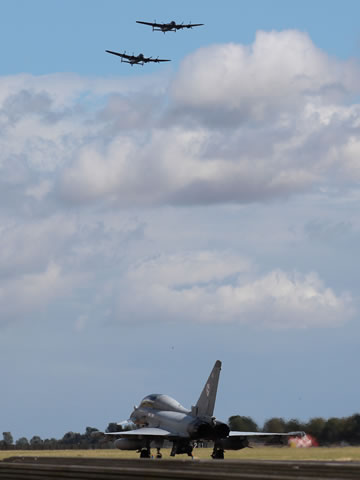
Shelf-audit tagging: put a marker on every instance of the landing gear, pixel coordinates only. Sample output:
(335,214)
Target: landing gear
(181,447)
(145,453)
(218,453)
(158,454)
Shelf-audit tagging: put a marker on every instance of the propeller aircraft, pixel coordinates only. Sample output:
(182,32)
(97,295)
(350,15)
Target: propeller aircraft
(136,59)
(169,27)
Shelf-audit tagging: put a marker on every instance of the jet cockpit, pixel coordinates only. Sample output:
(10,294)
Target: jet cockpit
(158,401)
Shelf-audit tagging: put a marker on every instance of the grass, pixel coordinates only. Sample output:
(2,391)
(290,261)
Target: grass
(256,453)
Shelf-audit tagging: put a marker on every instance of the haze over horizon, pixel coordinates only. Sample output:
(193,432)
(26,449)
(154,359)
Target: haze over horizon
(156,218)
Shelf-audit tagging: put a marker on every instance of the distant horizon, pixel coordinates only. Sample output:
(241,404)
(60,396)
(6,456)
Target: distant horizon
(156,218)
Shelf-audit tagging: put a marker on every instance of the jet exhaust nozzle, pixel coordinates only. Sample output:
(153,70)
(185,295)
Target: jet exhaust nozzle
(221,429)
(213,431)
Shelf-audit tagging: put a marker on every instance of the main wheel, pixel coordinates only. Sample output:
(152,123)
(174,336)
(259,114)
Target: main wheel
(218,454)
(145,453)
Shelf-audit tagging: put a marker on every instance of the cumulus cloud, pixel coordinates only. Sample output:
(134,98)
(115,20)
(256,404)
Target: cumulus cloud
(236,124)
(44,260)
(209,287)
(274,75)
(23,295)
(243,124)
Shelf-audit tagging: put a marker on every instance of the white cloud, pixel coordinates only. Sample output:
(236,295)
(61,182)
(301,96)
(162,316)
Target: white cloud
(23,295)
(189,268)
(238,124)
(208,287)
(278,72)
(40,190)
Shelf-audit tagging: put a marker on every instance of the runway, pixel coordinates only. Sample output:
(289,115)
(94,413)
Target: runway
(36,468)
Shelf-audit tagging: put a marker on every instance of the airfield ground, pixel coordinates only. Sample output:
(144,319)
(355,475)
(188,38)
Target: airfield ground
(256,453)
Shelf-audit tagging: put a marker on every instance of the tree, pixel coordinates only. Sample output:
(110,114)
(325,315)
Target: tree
(351,429)
(242,424)
(36,443)
(276,425)
(22,443)
(50,444)
(92,438)
(294,425)
(333,430)
(315,427)
(8,440)
(113,427)
(71,439)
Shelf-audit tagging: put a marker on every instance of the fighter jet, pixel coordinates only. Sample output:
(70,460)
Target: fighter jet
(136,59)
(169,27)
(159,418)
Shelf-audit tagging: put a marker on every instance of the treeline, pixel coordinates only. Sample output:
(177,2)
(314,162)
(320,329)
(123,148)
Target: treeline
(331,431)
(71,440)
(326,432)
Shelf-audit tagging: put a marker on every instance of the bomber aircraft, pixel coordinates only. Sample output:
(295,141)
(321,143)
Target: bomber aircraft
(136,59)
(159,418)
(169,27)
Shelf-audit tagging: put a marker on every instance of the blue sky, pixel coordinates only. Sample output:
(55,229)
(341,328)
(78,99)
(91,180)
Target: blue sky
(154,219)
(44,37)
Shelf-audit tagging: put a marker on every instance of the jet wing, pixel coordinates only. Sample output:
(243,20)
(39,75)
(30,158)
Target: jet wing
(147,432)
(123,55)
(265,434)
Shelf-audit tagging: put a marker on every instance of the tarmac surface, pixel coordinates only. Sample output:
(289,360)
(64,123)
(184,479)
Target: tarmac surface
(36,468)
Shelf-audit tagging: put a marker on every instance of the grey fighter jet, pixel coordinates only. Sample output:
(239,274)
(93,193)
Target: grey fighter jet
(159,418)
(169,27)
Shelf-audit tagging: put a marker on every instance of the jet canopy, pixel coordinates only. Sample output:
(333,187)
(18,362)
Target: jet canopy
(158,401)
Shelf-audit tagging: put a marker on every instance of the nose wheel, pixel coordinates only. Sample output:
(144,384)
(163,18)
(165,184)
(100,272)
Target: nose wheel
(158,454)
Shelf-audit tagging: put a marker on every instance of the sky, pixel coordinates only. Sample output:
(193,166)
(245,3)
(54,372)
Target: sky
(155,219)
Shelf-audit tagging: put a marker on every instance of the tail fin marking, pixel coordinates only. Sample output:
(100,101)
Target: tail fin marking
(206,403)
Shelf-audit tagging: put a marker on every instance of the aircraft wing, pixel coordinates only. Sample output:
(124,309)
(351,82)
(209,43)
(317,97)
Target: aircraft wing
(123,55)
(189,25)
(265,434)
(145,432)
(156,60)
(149,23)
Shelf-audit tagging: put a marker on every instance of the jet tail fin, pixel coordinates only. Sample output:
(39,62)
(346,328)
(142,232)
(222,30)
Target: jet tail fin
(206,403)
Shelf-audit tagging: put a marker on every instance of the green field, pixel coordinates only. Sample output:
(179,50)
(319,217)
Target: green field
(260,453)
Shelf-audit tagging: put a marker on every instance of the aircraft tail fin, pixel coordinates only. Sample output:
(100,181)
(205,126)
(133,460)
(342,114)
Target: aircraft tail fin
(206,403)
